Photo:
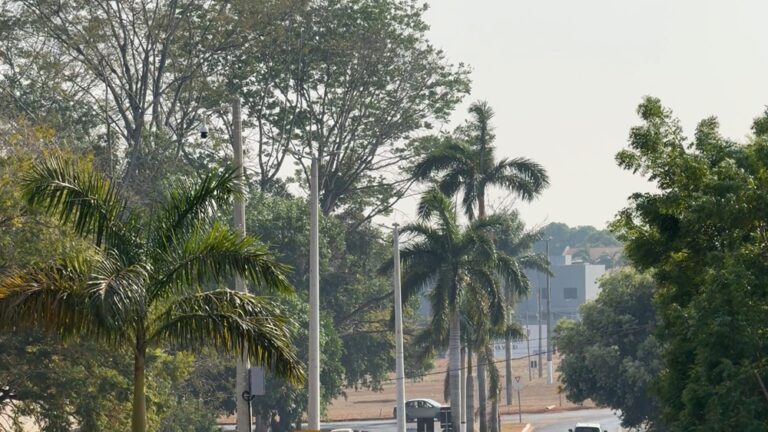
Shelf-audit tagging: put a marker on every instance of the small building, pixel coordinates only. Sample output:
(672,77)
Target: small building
(573,283)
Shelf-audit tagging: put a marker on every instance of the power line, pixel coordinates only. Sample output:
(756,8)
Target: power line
(444,371)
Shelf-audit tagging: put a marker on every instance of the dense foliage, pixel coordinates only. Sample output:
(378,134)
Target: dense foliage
(612,356)
(464,164)
(148,279)
(124,86)
(703,232)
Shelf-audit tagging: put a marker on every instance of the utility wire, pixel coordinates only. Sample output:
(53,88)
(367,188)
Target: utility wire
(528,356)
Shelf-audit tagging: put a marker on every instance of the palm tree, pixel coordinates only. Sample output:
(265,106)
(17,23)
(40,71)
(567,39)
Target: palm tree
(442,259)
(468,165)
(517,242)
(480,329)
(145,279)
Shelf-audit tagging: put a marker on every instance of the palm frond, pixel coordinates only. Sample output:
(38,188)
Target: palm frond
(426,233)
(520,175)
(73,193)
(233,323)
(484,137)
(60,298)
(187,206)
(436,207)
(469,197)
(538,262)
(115,292)
(513,331)
(215,255)
(417,279)
(442,309)
(490,223)
(516,243)
(486,287)
(513,276)
(439,159)
(452,181)
(432,338)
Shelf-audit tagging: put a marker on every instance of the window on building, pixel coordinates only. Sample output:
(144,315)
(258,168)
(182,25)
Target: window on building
(570,293)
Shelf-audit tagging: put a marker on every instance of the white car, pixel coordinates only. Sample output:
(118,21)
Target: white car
(420,409)
(587,427)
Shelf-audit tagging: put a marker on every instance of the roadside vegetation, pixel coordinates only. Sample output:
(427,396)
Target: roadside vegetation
(117,251)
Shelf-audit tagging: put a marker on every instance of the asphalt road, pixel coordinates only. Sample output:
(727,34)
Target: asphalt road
(562,421)
(547,422)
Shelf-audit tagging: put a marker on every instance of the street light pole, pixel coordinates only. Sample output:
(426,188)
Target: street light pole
(550,373)
(538,315)
(243,364)
(399,362)
(313,410)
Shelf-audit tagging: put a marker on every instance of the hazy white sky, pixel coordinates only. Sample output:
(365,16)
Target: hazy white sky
(565,77)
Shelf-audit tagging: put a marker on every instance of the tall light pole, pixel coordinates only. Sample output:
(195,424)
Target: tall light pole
(399,362)
(549,325)
(243,364)
(538,315)
(313,410)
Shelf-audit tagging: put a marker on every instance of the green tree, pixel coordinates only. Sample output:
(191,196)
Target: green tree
(364,84)
(444,260)
(141,283)
(466,164)
(355,304)
(129,76)
(579,237)
(702,232)
(612,356)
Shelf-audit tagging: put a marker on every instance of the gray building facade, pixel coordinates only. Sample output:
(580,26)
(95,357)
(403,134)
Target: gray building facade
(573,284)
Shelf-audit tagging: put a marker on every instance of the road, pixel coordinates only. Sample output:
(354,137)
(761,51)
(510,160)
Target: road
(547,422)
(562,421)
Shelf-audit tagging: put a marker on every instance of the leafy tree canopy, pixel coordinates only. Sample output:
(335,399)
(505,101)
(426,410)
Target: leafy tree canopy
(579,237)
(703,235)
(612,355)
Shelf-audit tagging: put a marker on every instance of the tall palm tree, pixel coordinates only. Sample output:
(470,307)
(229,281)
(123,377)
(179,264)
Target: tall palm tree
(482,328)
(517,242)
(466,165)
(145,281)
(442,259)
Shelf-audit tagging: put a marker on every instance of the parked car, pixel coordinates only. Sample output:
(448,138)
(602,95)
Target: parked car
(587,427)
(420,409)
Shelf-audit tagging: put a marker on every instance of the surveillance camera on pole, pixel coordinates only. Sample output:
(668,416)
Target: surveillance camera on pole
(204,132)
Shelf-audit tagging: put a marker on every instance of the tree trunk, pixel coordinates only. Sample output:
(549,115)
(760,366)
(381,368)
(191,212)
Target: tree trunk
(454,366)
(470,393)
(482,398)
(494,385)
(494,415)
(508,349)
(139,414)
(494,389)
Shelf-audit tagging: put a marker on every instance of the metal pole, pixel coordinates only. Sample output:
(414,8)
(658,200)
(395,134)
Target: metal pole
(519,408)
(528,359)
(528,338)
(313,410)
(550,371)
(243,364)
(399,362)
(463,396)
(538,315)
